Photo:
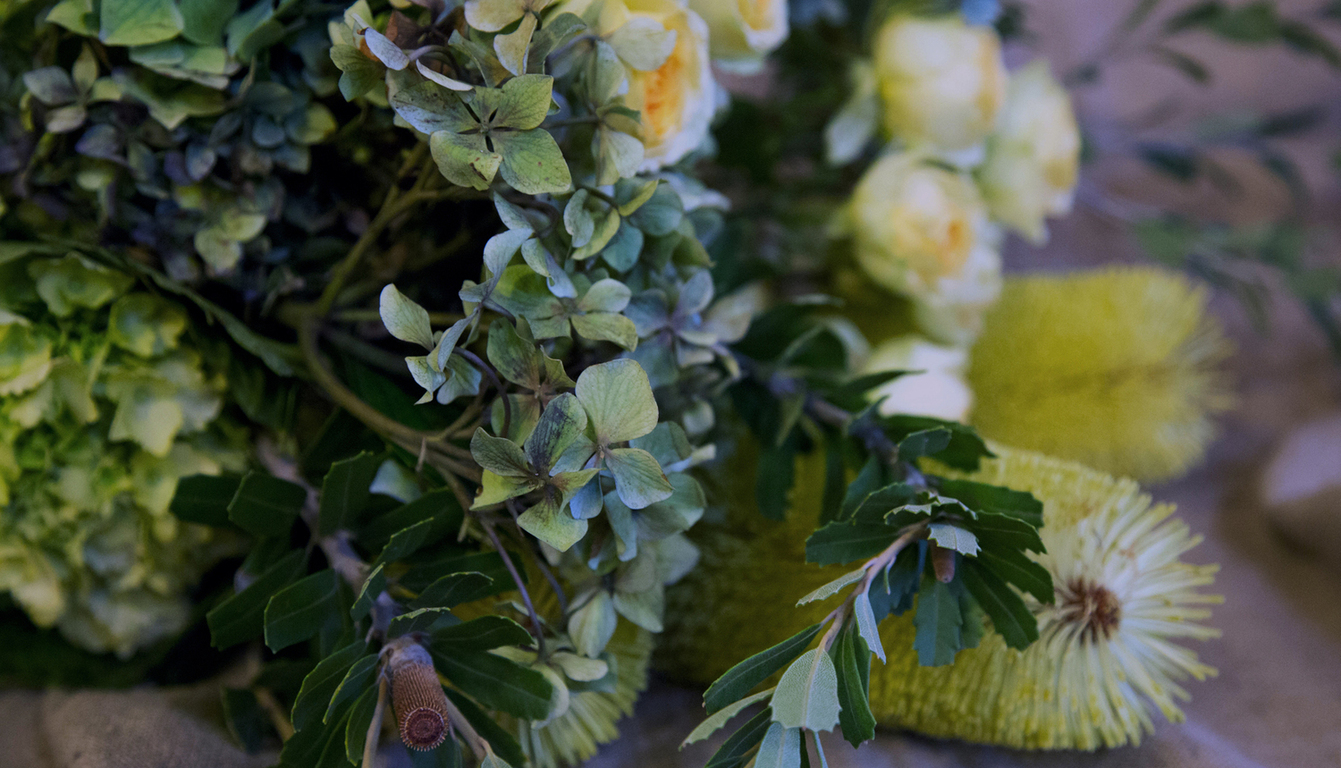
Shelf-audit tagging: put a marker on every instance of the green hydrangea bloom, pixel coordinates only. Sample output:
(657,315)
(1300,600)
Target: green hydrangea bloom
(104,405)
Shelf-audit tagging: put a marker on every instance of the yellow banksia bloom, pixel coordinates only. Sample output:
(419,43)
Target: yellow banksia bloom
(591,717)
(1117,369)
(1109,653)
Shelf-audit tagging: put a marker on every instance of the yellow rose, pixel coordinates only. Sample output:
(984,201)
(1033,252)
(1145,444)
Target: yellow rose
(921,230)
(938,390)
(941,80)
(1033,158)
(678,96)
(742,32)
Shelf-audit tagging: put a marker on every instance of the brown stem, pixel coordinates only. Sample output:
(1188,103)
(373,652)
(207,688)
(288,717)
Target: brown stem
(872,567)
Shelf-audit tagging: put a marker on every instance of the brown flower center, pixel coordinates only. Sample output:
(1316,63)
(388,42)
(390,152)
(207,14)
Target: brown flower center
(1092,607)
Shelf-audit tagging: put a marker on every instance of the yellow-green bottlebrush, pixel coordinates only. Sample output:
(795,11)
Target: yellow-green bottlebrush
(591,695)
(1116,369)
(1109,653)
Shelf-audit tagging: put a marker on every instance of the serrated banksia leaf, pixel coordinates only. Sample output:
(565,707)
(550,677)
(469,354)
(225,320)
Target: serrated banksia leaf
(1109,652)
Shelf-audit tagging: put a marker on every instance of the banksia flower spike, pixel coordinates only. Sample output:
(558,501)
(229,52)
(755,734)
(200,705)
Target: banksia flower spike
(417,697)
(1109,651)
(1116,369)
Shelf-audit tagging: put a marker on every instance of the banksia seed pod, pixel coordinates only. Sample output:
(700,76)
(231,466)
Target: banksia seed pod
(417,698)
(943,563)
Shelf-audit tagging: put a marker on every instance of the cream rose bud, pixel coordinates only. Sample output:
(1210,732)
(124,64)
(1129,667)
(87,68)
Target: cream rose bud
(942,81)
(937,390)
(922,230)
(1034,155)
(743,32)
(677,97)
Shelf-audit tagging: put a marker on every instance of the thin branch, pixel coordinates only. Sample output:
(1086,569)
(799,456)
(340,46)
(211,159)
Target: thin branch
(488,370)
(872,567)
(476,742)
(537,630)
(375,727)
(277,715)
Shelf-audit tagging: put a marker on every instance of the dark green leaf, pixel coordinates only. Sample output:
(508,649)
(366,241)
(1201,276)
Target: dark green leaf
(240,617)
(1014,567)
(204,499)
(926,442)
(421,620)
(355,682)
(997,531)
(852,659)
(453,590)
(438,505)
(880,502)
(737,750)
(893,591)
(1010,617)
(482,634)
(344,492)
(852,395)
(937,621)
(965,450)
(498,683)
(503,743)
(844,542)
(875,474)
(302,609)
(404,542)
(321,683)
(558,30)
(265,505)
(429,567)
(278,357)
(372,587)
(743,677)
(246,720)
(991,498)
(360,719)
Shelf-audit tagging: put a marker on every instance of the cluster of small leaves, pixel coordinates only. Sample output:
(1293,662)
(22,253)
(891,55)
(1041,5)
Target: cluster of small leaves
(953,552)
(593,298)
(179,128)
